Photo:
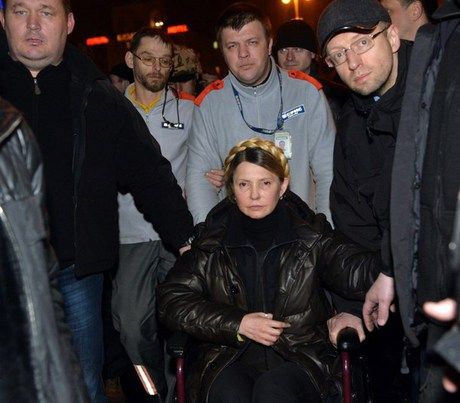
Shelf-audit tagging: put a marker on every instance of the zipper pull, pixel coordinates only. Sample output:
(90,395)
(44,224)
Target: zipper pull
(37,90)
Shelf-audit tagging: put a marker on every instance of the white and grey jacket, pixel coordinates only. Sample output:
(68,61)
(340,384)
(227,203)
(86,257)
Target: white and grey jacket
(218,126)
(173,142)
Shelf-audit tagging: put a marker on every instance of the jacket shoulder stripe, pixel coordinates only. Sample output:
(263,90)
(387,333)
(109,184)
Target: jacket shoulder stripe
(300,75)
(186,95)
(214,86)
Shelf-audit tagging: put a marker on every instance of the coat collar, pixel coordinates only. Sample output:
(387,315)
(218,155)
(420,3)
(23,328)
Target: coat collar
(297,221)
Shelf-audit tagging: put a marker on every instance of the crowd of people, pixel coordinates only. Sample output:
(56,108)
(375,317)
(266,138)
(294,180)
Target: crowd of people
(260,214)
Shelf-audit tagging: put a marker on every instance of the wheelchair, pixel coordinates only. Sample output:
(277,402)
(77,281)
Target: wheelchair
(355,381)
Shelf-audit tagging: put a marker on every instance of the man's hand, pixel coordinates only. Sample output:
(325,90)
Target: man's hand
(379,301)
(445,310)
(341,321)
(184,249)
(261,328)
(215,177)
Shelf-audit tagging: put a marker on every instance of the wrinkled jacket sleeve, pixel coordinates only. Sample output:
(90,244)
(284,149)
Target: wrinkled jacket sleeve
(346,268)
(321,145)
(32,158)
(184,303)
(203,156)
(142,169)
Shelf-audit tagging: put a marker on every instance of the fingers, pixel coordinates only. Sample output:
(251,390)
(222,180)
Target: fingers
(368,310)
(383,312)
(261,327)
(443,310)
(341,321)
(450,385)
(215,177)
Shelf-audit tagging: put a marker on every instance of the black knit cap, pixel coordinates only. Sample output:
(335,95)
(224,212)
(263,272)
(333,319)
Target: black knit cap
(349,15)
(295,34)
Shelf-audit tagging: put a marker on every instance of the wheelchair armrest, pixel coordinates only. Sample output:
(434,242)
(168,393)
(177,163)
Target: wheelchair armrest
(348,340)
(177,344)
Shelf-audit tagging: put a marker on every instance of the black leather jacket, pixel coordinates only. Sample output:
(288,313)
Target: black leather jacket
(37,363)
(203,295)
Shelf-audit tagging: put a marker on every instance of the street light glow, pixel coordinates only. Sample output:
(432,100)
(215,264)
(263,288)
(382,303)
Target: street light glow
(285,1)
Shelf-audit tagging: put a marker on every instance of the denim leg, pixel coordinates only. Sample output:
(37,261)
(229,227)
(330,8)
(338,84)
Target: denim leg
(82,304)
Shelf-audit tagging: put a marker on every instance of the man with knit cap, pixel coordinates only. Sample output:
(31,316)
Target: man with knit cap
(295,48)
(356,37)
(257,98)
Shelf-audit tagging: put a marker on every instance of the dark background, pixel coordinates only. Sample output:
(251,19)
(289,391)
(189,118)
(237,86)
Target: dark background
(112,17)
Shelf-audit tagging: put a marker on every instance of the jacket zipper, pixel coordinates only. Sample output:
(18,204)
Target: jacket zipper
(37,90)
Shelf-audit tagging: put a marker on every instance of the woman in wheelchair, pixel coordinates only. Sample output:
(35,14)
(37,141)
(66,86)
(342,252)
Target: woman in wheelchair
(250,291)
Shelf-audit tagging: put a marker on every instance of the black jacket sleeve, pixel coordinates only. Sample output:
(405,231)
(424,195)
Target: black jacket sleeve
(347,269)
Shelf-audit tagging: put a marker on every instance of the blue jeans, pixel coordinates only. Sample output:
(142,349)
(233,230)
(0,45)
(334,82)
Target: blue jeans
(82,305)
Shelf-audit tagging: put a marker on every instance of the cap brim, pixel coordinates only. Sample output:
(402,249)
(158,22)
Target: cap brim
(365,28)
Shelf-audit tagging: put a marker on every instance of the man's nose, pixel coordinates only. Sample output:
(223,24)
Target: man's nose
(290,55)
(353,60)
(33,21)
(243,51)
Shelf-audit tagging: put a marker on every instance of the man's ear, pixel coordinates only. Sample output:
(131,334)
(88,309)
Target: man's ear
(416,10)
(2,18)
(393,38)
(70,23)
(129,59)
(270,46)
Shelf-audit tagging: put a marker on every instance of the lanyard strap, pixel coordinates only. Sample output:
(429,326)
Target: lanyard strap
(279,119)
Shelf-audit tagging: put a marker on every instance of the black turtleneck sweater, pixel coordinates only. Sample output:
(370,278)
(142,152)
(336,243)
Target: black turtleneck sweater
(260,275)
(45,103)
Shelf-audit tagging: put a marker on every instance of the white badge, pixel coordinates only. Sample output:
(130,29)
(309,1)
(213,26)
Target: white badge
(283,141)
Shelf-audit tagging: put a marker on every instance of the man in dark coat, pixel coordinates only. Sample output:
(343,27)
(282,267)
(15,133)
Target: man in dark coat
(425,185)
(358,40)
(94,144)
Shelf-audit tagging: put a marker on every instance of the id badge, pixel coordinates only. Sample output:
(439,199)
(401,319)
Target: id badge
(283,141)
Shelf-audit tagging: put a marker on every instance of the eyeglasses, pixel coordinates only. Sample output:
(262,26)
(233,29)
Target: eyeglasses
(284,51)
(150,60)
(362,45)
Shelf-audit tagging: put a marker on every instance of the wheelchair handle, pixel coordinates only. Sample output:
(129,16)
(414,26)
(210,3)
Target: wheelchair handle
(348,340)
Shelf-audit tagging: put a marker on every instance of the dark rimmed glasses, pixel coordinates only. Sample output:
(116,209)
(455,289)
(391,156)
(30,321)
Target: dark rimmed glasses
(360,46)
(164,62)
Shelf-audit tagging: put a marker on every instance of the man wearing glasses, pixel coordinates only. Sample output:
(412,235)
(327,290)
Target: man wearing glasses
(357,39)
(144,258)
(93,143)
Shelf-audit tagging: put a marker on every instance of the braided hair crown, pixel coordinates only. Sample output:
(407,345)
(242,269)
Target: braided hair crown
(273,152)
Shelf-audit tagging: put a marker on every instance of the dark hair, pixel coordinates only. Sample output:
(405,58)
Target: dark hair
(65,3)
(428,5)
(237,15)
(148,32)
(257,151)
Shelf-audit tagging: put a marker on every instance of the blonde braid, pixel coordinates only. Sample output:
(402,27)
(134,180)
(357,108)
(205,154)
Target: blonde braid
(257,142)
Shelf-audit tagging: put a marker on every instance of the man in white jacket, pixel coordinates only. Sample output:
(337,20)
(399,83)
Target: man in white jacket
(257,98)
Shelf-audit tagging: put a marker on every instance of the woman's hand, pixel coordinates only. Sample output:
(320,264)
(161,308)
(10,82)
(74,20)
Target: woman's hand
(261,327)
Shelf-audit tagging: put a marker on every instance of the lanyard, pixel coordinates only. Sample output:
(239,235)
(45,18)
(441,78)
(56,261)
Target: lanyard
(166,124)
(279,119)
